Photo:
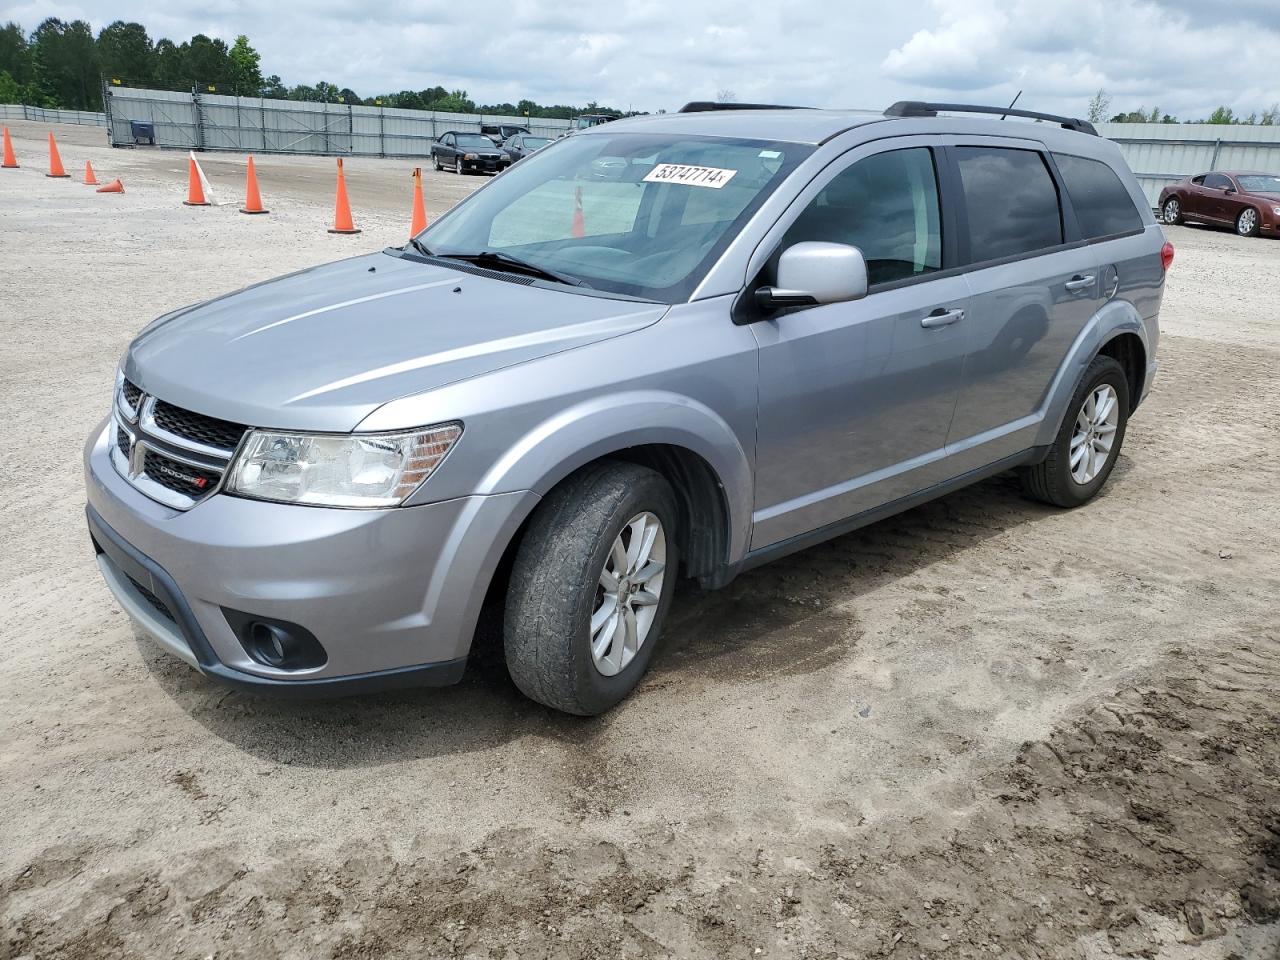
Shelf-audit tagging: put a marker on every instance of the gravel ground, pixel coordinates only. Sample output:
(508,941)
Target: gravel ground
(982,728)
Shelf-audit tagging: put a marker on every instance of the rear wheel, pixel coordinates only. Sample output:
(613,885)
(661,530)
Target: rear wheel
(1247,222)
(1172,212)
(1088,442)
(590,588)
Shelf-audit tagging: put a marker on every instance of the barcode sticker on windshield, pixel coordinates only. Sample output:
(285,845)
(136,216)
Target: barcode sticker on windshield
(712,177)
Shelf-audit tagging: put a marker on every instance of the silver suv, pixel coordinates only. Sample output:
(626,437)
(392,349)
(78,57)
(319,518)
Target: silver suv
(669,346)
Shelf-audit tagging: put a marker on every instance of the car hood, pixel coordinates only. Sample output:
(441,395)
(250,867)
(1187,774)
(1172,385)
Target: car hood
(323,348)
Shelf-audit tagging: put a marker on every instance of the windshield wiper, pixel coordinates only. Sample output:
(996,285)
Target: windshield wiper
(492,258)
(420,247)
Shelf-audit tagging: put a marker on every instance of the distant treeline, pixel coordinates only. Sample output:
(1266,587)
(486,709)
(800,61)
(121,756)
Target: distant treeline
(61,64)
(1100,106)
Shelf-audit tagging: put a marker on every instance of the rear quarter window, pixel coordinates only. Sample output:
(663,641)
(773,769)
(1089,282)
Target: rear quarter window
(1011,201)
(1102,204)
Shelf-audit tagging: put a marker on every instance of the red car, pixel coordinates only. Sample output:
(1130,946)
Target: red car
(1249,202)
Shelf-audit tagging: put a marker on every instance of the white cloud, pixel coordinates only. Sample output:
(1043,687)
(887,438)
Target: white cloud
(654,54)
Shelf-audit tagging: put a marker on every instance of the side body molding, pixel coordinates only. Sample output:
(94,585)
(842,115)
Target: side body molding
(606,424)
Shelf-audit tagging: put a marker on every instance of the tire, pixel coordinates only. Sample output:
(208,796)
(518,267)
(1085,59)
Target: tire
(1171,212)
(1247,222)
(556,587)
(1056,479)
(457,167)
(435,161)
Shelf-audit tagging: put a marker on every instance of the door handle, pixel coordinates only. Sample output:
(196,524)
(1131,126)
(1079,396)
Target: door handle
(1078,283)
(941,318)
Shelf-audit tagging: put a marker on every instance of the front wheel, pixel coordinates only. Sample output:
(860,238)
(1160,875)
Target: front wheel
(1247,222)
(435,162)
(1172,211)
(1088,442)
(592,580)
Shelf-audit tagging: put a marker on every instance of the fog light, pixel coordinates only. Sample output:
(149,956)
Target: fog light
(276,643)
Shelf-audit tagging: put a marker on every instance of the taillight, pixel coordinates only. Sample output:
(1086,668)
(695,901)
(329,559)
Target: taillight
(1166,255)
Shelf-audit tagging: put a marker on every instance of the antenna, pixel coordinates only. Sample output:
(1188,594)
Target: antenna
(1012,102)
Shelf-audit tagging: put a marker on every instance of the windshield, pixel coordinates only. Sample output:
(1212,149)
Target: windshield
(643,215)
(474,140)
(1260,184)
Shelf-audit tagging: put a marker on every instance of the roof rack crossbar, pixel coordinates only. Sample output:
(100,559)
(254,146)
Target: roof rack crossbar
(707,106)
(917,108)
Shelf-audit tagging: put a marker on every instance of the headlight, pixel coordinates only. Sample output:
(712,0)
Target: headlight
(346,470)
(1276,211)
(468,156)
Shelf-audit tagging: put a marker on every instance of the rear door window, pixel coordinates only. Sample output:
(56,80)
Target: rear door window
(1011,201)
(1102,204)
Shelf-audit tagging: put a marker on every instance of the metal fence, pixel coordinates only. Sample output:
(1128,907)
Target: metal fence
(1158,153)
(18,111)
(1161,153)
(253,124)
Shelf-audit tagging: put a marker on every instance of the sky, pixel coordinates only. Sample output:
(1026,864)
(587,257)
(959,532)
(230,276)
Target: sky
(1184,56)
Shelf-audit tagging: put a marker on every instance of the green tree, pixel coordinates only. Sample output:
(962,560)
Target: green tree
(10,90)
(246,70)
(1099,104)
(16,54)
(126,53)
(1222,115)
(169,70)
(66,64)
(1271,116)
(273,88)
(206,63)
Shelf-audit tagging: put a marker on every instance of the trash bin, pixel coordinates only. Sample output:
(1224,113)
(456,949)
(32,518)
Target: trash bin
(143,132)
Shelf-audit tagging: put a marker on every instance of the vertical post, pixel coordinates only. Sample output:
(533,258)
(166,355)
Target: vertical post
(106,110)
(1217,149)
(199,131)
(382,130)
(351,131)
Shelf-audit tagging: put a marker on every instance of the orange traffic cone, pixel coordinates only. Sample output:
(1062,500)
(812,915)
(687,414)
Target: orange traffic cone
(195,192)
(55,161)
(89,179)
(9,159)
(419,221)
(115,186)
(579,224)
(252,199)
(342,222)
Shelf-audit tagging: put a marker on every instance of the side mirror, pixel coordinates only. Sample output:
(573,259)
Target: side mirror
(1228,189)
(813,272)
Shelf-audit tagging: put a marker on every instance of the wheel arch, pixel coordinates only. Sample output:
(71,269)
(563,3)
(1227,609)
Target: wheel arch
(689,444)
(1116,330)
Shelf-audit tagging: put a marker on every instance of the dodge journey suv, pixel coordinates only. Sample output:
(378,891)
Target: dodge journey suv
(669,346)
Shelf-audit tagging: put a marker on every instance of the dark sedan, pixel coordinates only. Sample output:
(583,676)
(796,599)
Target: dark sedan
(1247,202)
(466,153)
(521,145)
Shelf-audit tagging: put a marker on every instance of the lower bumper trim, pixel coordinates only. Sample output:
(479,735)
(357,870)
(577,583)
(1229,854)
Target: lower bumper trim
(121,562)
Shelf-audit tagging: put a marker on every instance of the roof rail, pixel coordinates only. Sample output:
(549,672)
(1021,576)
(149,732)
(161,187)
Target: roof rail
(706,106)
(916,108)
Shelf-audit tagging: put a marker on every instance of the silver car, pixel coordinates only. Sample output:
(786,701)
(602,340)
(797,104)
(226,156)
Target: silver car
(669,346)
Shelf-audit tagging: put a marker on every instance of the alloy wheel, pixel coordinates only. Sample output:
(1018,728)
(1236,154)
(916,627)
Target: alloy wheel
(1248,220)
(1095,433)
(628,593)
(1171,210)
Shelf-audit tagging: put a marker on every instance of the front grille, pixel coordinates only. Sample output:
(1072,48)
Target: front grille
(178,476)
(123,441)
(155,602)
(131,395)
(210,431)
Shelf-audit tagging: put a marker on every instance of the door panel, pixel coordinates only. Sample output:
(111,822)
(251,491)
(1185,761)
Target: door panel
(1023,319)
(855,401)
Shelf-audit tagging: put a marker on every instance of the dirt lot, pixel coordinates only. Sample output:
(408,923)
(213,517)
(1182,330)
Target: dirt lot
(983,728)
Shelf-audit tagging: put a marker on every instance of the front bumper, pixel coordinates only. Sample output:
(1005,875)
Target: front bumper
(392,595)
